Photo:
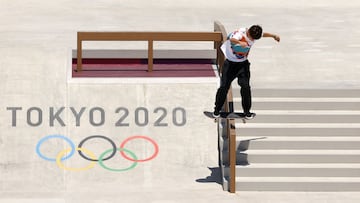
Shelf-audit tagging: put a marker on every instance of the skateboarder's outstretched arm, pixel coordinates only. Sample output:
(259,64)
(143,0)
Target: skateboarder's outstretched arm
(276,37)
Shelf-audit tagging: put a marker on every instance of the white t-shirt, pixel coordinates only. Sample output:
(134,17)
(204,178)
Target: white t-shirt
(234,52)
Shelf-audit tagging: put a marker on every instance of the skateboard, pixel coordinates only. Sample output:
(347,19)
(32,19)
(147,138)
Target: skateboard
(228,115)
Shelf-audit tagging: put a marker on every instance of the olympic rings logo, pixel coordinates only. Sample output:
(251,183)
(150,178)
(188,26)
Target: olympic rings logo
(90,156)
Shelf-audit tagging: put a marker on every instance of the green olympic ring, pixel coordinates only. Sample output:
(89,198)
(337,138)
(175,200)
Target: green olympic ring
(117,170)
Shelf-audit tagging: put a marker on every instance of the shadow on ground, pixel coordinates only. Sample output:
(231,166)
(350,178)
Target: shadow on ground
(215,176)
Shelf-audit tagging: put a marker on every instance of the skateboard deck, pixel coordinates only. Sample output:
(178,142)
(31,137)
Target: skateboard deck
(227,115)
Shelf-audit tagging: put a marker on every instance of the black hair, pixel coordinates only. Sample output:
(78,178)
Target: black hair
(255,31)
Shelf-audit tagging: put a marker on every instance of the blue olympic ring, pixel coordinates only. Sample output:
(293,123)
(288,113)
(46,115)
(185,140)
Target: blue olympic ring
(42,140)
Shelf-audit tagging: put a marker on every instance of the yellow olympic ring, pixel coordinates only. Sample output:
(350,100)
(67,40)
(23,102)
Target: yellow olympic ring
(62,166)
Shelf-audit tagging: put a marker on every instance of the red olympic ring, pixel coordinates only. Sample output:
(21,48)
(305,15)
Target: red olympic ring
(139,137)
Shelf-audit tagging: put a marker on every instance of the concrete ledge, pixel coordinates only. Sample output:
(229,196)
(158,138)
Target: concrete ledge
(297,170)
(297,184)
(300,93)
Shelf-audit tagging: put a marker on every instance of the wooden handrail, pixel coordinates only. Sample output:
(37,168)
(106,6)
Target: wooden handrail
(229,107)
(220,58)
(150,37)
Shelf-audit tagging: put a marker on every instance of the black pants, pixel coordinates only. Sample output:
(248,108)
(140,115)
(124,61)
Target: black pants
(232,70)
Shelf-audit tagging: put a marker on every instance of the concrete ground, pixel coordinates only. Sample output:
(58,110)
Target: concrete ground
(319,47)
(319,39)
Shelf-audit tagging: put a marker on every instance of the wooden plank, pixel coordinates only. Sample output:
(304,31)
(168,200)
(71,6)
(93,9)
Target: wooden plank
(150,56)
(145,36)
(232,155)
(232,142)
(79,54)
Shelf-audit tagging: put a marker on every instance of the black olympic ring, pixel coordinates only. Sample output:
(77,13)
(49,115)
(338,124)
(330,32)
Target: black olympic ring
(97,136)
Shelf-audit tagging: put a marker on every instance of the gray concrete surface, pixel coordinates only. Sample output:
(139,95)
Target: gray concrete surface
(319,47)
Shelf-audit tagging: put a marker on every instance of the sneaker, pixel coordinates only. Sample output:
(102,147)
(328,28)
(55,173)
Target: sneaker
(249,115)
(216,114)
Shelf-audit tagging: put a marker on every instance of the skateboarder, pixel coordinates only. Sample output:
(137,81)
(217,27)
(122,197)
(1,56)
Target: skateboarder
(236,65)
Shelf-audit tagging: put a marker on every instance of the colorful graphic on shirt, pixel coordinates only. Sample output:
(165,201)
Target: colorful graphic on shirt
(235,52)
(239,51)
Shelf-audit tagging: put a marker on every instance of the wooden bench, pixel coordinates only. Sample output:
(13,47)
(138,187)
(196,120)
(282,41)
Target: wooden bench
(150,37)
